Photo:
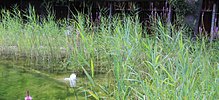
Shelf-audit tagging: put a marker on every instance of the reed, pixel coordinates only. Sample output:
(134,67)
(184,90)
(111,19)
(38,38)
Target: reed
(163,65)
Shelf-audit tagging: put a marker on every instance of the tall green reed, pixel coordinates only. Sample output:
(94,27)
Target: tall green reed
(165,65)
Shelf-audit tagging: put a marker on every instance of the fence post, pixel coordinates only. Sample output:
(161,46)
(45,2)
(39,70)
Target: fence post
(213,23)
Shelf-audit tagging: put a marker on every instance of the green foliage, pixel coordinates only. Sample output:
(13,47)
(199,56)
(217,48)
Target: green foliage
(184,7)
(163,65)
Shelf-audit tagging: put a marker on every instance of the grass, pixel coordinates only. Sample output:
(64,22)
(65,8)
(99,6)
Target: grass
(164,65)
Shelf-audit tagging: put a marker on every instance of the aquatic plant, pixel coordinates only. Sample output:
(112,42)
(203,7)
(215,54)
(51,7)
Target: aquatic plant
(165,64)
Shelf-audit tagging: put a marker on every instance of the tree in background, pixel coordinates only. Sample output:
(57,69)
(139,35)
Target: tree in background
(189,11)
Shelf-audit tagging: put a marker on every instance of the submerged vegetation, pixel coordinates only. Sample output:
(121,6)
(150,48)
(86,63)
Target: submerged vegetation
(14,83)
(164,64)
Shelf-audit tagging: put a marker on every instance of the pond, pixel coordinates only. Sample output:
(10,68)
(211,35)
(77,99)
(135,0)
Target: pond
(15,81)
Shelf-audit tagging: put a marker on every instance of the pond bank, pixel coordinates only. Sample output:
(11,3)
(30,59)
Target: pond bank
(12,51)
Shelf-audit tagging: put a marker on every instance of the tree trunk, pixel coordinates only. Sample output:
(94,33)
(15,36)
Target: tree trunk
(192,19)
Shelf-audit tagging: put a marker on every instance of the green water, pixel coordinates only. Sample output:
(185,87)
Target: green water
(14,82)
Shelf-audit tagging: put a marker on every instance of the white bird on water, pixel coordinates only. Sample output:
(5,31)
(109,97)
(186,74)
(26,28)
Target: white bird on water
(72,80)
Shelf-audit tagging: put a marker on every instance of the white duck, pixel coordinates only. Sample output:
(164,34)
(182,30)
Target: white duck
(72,80)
